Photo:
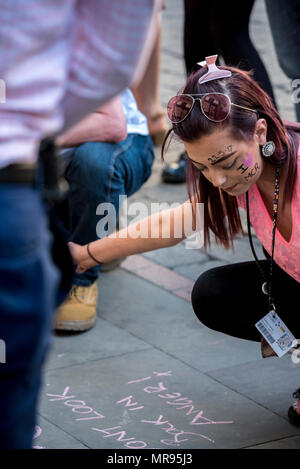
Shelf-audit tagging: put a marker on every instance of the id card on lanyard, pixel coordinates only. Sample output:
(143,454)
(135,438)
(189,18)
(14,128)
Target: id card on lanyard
(271,327)
(276,333)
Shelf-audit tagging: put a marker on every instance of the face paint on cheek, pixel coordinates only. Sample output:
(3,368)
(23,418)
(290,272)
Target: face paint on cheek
(249,161)
(242,168)
(253,171)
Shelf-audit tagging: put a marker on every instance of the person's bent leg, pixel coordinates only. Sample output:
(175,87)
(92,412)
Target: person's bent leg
(229,299)
(88,175)
(132,167)
(28,292)
(98,175)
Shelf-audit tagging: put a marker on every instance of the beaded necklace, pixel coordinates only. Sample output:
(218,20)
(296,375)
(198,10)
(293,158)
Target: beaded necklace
(267,286)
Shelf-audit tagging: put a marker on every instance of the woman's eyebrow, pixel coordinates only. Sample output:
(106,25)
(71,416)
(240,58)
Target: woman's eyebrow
(218,161)
(197,162)
(223,158)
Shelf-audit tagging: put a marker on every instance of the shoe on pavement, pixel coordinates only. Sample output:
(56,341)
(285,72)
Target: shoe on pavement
(294,410)
(78,311)
(176,172)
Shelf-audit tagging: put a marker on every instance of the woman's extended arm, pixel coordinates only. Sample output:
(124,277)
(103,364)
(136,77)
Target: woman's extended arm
(160,230)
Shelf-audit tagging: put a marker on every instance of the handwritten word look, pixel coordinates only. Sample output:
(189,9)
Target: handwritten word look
(80,407)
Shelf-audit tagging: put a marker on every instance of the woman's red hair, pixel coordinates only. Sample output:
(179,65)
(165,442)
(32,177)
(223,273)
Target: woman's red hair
(221,214)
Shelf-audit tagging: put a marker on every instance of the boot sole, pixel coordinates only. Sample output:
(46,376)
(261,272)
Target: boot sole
(75,325)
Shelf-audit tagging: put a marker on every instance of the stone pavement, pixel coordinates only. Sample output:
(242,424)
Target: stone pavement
(149,375)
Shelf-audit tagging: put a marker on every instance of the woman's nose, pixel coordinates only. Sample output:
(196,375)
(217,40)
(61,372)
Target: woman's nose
(218,179)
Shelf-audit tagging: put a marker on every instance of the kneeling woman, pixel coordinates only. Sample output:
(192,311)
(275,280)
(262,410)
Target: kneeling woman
(240,154)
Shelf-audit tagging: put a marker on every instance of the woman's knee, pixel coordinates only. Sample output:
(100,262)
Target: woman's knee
(207,295)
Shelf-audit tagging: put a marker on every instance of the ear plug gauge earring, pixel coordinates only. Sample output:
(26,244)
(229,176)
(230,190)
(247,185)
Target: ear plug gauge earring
(268,149)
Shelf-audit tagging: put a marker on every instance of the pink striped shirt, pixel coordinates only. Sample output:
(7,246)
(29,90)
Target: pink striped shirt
(287,253)
(63,57)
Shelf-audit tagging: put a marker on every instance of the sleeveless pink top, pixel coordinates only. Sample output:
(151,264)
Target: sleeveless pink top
(287,254)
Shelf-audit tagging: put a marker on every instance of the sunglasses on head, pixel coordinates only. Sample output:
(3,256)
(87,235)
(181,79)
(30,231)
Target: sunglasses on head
(215,106)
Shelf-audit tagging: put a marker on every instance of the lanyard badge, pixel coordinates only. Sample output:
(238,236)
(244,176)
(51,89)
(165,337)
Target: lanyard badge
(271,327)
(276,333)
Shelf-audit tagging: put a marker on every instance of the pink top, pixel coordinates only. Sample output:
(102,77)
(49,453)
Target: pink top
(287,254)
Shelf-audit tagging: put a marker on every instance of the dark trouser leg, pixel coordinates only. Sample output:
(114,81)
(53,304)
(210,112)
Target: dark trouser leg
(229,299)
(28,293)
(222,28)
(284,18)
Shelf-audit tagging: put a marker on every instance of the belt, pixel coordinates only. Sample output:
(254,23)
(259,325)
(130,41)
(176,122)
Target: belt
(19,174)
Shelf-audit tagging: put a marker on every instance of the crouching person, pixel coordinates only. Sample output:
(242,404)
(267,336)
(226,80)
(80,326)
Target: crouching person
(111,155)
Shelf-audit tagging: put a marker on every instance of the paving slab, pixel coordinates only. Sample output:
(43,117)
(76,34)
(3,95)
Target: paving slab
(242,251)
(104,340)
(151,400)
(170,193)
(193,271)
(48,436)
(270,382)
(292,442)
(161,319)
(178,255)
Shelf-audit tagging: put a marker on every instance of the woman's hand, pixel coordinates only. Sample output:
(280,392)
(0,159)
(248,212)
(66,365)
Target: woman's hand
(80,257)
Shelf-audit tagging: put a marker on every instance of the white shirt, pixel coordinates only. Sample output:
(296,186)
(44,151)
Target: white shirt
(63,57)
(136,121)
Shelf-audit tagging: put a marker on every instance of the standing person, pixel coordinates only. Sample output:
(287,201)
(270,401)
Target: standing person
(245,156)
(58,57)
(284,19)
(113,157)
(146,93)
(225,29)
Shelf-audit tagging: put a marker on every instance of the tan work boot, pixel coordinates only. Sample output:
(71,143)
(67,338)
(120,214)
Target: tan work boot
(78,311)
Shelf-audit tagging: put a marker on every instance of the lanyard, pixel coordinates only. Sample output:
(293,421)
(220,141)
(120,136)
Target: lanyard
(267,286)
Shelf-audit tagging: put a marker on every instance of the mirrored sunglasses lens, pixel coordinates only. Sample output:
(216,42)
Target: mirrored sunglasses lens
(178,108)
(215,107)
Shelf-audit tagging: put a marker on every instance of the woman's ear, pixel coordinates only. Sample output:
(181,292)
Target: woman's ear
(260,133)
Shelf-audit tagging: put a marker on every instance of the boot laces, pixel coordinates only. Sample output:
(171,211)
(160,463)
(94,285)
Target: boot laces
(87,295)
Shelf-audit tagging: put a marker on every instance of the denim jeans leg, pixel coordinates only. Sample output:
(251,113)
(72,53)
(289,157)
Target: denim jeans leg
(132,166)
(28,293)
(99,173)
(284,18)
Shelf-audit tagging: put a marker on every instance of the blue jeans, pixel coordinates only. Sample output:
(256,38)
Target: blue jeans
(28,293)
(284,18)
(101,172)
